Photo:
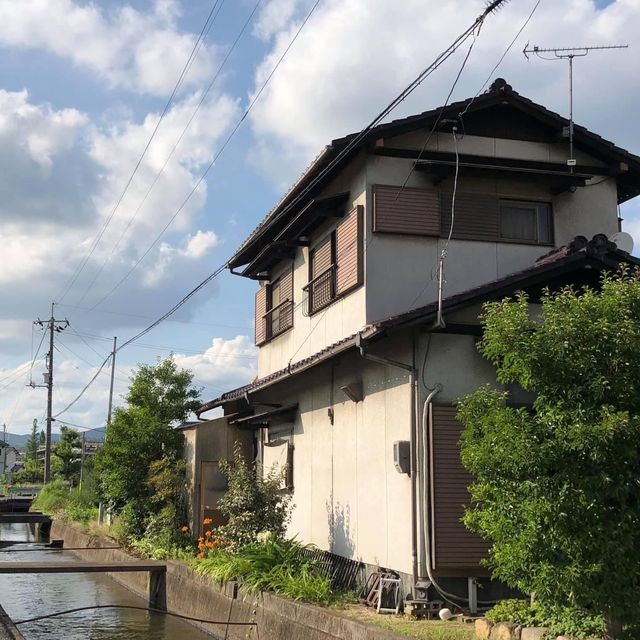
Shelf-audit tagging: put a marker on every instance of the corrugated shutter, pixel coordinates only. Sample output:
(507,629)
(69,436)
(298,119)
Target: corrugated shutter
(408,211)
(349,251)
(454,545)
(286,294)
(477,216)
(261,309)
(321,260)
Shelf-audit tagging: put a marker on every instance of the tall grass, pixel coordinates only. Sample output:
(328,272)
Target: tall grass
(57,499)
(274,565)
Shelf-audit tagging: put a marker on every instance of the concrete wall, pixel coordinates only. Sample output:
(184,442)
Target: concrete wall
(209,441)
(348,497)
(190,594)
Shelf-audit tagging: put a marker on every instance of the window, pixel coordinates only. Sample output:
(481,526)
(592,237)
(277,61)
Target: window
(279,314)
(321,289)
(529,222)
(335,263)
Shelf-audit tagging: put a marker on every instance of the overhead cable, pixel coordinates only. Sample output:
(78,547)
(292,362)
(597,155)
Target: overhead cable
(206,27)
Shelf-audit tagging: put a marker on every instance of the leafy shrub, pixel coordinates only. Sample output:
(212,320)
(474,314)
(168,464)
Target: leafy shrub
(75,505)
(560,619)
(273,565)
(253,504)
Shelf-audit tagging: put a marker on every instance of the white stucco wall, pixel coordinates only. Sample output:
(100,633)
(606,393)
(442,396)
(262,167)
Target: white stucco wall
(344,317)
(401,271)
(348,497)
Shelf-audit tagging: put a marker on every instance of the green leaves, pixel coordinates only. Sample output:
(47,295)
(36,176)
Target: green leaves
(557,486)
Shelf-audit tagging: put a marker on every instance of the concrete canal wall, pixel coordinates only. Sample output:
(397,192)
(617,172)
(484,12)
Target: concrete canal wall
(8,630)
(190,594)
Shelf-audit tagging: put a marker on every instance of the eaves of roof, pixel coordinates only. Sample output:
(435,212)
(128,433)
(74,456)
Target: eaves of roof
(499,92)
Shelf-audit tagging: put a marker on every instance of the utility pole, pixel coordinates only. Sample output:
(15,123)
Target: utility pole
(568,53)
(53,326)
(113,372)
(4,449)
(81,461)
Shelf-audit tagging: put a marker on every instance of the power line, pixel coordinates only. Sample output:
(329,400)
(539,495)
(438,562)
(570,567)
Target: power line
(212,163)
(176,88)
(173,149)
(97,373)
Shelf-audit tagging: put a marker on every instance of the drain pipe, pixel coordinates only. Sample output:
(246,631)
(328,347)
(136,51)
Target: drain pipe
(413,382)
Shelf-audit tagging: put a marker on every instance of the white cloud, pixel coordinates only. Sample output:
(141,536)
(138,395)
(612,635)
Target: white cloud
(273,17)
(140,51)
(354,56)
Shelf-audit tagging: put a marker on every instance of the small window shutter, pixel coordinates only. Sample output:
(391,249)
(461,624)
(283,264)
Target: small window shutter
(349,251)
(286,294)
(261,309)
(476,216)
(406,210)
(321,257)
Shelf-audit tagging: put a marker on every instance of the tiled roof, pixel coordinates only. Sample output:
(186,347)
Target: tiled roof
(499,91)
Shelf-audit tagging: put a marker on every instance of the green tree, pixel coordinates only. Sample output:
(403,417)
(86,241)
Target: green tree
(32,470)
(67,454)
(556,486)
(142,433)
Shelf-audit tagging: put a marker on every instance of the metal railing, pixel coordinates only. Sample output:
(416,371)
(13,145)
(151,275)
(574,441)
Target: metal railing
(321,291)
(279,319)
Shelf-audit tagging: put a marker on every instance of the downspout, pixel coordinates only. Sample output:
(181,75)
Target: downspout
(413,382)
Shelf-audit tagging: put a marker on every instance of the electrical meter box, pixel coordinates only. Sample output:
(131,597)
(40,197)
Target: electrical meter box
(402,456)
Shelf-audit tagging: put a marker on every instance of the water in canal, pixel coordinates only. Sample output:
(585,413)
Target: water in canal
(29,595)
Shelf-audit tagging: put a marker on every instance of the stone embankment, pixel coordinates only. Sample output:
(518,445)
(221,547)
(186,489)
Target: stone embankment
(486,630)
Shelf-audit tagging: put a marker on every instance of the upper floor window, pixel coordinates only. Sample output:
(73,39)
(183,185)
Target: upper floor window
(335,262)
(523,221)
(274,307)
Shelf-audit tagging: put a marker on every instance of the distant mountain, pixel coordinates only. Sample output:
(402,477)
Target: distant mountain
(19,440)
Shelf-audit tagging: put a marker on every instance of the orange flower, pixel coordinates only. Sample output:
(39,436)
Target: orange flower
(207,521)
(207,533)
(200,555)
(200,539)
(184,529)
(201,545)
(209,545)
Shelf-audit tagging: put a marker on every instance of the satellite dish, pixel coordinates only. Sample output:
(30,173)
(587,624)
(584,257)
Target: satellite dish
(623,241)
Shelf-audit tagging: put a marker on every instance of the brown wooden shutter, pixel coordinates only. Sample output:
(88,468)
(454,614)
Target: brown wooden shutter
(477,216)
(322,257)
(409,211)
(349,251)
(261,309)
(286,294)
(454,545)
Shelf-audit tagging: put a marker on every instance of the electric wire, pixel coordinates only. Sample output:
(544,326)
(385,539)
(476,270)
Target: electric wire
(501,59)
(97,373)
(176,88)
(136,608)
(390,107)
(172,151)
(217,155)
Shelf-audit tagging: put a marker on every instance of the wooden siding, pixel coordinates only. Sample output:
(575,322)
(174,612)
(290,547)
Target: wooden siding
(407,211)
(261,309)
(349,251)
(477,216)
(454,545)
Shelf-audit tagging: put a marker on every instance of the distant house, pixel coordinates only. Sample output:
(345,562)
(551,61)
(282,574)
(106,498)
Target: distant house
(364,348)
(8,459)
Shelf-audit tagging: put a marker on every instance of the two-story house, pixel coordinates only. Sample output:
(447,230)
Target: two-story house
(371,273)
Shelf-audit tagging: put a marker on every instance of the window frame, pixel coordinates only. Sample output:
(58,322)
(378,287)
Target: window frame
(331,270)
(280,307)
(540,205)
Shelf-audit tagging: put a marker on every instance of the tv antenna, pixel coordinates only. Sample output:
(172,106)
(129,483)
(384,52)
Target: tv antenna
(568,53)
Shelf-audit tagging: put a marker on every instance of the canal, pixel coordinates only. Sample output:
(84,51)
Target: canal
(30,595)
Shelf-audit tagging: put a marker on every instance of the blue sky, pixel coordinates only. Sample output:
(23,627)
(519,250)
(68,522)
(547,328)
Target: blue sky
(82,86)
